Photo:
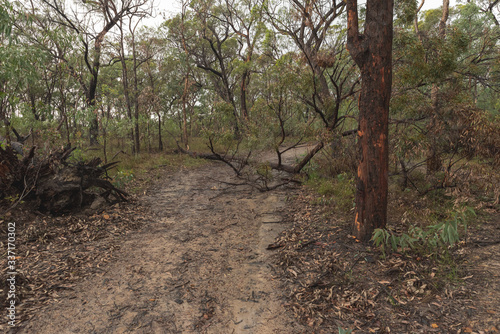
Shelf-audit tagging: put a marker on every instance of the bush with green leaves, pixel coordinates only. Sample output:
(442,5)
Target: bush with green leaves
(123,177)
(339,190)
(344,331)
(429,240)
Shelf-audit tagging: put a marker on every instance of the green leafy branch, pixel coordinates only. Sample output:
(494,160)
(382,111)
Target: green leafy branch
(430,239)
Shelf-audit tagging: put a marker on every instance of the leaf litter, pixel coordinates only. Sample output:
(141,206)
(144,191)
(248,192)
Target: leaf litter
(333,282)
(55,253)
(328,280)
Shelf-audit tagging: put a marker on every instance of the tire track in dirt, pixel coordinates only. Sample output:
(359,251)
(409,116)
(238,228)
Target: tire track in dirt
(200,267)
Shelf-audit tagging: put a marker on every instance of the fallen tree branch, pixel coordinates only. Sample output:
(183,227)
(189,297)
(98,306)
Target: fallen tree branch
(298,168)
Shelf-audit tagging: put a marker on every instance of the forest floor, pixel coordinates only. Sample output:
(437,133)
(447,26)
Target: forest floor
(201,252)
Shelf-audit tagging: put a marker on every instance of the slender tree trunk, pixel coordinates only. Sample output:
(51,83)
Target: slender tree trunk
(415,21)
(33,104)
(94,124)
(185,93)
(372,52)
(184,112)
(136,97)
(94,129)
(434,161)
(104,136)
(64,110)
(91,102)
(68,140)
(243,96)
(126,89)
(160,142)
(148,128)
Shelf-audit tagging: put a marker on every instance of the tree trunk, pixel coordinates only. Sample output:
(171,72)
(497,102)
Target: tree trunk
(126,89)
(91,102)
(94,131)
(136,96)
(434,161)
(243,96)
(160,141)
(185,140)
(372,52)
(104,139)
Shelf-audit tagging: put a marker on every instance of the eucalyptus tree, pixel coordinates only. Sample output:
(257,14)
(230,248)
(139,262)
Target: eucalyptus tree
(5,60)
(5,23)
(18,68)
(213,51)
(277,114)
(445,72)
(371,49)
(315,27)
(133,21)
(180,36)
(221,38)
(151,50)
(477,63)
(90,22)
(245,18)
(490,7)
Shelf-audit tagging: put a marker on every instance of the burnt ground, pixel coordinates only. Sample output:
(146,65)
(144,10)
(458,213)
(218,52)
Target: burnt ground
(190,256)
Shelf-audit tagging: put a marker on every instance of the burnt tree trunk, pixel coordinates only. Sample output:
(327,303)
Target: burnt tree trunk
(372,52)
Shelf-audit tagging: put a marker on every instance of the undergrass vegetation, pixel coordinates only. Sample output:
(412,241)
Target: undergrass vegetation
(135,172)
(337,192)
(428,227)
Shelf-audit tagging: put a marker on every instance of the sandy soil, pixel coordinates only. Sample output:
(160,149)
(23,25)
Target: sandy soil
(199,263)
(201,266)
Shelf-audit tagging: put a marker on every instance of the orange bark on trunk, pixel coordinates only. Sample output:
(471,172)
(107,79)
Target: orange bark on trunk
(372,52)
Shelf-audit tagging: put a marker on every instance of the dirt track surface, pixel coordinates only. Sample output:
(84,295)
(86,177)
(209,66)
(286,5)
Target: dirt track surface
(201,266)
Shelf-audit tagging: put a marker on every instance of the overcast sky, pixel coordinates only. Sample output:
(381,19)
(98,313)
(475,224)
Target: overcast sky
(168,8)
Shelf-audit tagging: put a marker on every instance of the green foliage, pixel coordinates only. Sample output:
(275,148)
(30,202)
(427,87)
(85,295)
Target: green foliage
(5,23)
(123,177)
(433,239)
(344,331)
(78,155)
(405,11)
(338,190)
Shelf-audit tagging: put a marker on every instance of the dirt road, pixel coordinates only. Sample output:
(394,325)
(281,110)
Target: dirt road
(201,266)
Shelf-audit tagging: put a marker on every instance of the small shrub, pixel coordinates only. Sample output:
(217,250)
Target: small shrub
(344,331)
(123,177)
(431,240)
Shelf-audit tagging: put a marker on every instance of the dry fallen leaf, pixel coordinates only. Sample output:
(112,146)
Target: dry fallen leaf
(434,325)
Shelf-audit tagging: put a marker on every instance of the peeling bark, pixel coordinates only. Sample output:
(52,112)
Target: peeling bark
(372,52)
